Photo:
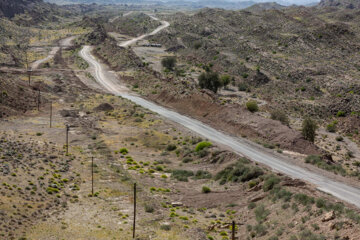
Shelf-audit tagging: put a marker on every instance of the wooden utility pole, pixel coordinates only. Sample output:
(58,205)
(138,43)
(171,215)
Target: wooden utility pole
(92,176)
(134,224)
(67,139)
(29,75)
(233,230)
(50,114)
(38,100)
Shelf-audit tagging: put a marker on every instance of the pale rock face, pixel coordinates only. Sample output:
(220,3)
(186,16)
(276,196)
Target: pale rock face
(329,216)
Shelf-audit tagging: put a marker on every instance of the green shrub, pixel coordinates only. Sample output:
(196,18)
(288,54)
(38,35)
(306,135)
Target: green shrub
(274,238)
(270,182)
(171,147)
(149,208)
(281,193)
(197,45)
(165,227)
(308,235)
(123,151)
(200,146)
(241,171)
(182,175)
(168,63)
(304,199)
(51,190)
(243,87)
(187,160)
(320,203)
(225,80)
(339,138)
(260,230)
(201,174)
(252,205)
(202,153)
(331,127)
(320,163)
(280,116)
(210,80)
(341,114)
(206,189)
(261,213)
(252,184)
(252,106)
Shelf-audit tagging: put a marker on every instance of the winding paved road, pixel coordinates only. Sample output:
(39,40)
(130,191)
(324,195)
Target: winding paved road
(109,81)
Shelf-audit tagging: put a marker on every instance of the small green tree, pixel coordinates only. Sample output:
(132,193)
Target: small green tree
(210,80)
(309,127)
(168,63)
(225,80)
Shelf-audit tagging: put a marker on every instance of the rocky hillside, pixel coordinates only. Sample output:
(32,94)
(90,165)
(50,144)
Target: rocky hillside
(133,24)
(263,51)
(350,4)
(9,8)
(36,12)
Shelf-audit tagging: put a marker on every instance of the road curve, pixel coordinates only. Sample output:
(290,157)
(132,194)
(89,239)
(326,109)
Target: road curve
(52,53)
(164,24)
(124,15)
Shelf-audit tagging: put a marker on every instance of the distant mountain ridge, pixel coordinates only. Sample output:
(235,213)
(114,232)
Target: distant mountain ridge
(265,6)
(349,4)
(226,4)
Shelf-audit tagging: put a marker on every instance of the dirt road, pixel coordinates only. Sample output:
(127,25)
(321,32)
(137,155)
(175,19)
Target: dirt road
(63,43)
(164,24)
(277,162)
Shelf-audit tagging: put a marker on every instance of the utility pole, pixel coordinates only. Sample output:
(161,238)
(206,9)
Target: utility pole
(233,230)
(29,75)
(134,224)
(92,176)
(50,114)
(38,101)
(67,139)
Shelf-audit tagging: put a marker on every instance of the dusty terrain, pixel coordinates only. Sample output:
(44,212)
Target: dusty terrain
(187,188)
